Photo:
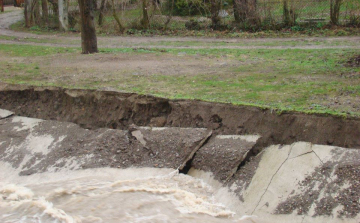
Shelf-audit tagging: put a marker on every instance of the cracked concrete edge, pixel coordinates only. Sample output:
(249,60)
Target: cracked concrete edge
(318,157)
(308,161)
(5,113)
(192,154)
(300,148)
(272,177)
(238,164)
(261,178)
(248,138)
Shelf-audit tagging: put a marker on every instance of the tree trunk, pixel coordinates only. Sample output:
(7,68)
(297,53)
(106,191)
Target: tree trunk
(335,11)
(27,13)
(63,15)
(95,5)
(37,12)
(55,6)
(169,17)
(32,11)
(236,11)
(45,11)
(88,34)
(121,27)
(214,10)
(247,11)
(2,5)
(242,10)
(101,14)
(145,23)
(286,12)
(289,15)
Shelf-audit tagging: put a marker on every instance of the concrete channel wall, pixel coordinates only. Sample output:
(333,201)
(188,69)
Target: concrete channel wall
(286,183)
(284,167)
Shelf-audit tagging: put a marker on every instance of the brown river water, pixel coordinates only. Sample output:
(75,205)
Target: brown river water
(111,195)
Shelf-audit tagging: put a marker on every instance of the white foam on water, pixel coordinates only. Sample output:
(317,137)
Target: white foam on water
(109,195)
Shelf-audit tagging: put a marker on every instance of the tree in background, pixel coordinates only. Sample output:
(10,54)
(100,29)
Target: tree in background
(215,6)
(55,7)
(145,22)
(335,11)
(289,16)
(45,11)
(88,34)
(63,15)
(245,11)
(101,13)
(121,27)
(27,13)
(187,7)
(236,11)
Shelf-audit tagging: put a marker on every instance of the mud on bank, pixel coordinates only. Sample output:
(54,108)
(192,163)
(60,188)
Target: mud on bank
(104,109)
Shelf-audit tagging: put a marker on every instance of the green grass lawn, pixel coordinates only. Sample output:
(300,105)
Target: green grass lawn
(315,81)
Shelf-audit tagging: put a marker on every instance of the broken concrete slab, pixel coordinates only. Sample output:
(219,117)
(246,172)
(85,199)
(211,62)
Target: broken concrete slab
(332,188)
(302,180)
(34,145)
(173,146)
(5,113)
(223,154)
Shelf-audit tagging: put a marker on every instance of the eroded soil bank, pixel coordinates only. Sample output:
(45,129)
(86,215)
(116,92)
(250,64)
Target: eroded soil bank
(103,109)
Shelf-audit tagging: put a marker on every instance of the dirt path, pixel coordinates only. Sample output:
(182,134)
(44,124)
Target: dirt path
(73,40)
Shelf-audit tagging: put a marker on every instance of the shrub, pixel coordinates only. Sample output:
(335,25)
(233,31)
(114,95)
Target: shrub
(186,7)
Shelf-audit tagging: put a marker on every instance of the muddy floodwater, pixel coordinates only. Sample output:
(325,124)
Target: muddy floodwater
(111,195)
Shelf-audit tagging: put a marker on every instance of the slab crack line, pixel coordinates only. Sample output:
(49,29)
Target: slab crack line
(317,156)
(192,154)
(271,181)
(302,155)
(7,117)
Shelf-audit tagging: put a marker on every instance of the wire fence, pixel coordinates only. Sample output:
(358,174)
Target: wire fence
(317,10)
(8,2)
(162,14)
(200,14)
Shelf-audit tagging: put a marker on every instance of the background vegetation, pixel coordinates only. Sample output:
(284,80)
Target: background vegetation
(132,16)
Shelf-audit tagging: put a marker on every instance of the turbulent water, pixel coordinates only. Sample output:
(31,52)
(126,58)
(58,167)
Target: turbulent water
(110,195)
